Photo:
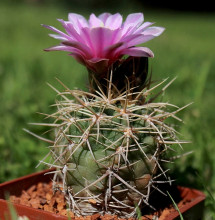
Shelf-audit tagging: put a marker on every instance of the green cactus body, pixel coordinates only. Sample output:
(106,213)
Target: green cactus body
(108,149)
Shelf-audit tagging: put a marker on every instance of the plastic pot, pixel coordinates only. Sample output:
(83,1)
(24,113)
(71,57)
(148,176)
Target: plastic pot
(192,210)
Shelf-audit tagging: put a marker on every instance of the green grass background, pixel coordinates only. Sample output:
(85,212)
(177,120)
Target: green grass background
(185,49)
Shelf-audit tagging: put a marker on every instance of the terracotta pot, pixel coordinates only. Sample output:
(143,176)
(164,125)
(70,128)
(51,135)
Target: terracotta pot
(192,210)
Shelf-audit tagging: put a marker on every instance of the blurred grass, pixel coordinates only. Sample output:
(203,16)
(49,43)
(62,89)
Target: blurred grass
(183,50)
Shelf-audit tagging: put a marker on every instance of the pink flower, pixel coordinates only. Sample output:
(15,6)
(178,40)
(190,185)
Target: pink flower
(100,41)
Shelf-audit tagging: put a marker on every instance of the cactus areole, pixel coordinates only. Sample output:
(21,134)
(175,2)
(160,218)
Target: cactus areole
(110,143)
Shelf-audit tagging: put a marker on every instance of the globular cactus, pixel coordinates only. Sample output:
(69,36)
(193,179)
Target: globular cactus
(108,149)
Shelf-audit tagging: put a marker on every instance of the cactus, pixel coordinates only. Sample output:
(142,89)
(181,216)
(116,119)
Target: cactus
(110,143)
(108,148)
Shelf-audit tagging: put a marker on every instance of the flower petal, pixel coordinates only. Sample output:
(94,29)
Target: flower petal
(137,39)
(70,46)
(95,22)
(78,45)
(81,59)
(104,16)
(56,48)
(155,31)
(77,54)
(58,31)
(110,50)
(83,37)
(132,40)
(85,33)
(146,35)
(142,27)
(78,21)
(98,65)
(138,52)
(133,20)
(70,30)
(58,37)
(114,21)
(101,38)
(65,48)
